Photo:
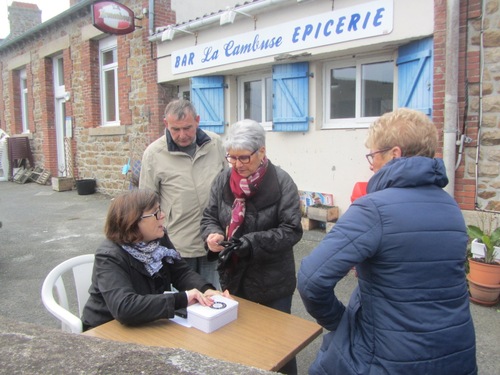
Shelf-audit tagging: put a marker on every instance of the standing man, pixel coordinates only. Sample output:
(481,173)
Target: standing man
(180,167)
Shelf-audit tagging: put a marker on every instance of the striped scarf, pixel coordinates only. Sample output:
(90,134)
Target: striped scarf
(242,189)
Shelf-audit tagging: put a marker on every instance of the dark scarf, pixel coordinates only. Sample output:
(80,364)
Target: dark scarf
(243,188)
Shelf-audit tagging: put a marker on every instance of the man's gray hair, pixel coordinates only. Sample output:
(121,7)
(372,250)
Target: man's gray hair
(179,108)
(245,135)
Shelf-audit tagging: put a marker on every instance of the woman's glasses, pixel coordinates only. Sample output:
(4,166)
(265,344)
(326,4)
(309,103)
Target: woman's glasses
(370,156)
(244,159)
(156,214)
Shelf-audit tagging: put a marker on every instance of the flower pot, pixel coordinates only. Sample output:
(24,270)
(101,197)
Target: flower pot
(483,294)
(85,186)
(484,273)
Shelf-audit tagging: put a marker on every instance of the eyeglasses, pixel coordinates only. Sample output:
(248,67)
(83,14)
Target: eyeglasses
(244,159)
(156,214)
(370,156)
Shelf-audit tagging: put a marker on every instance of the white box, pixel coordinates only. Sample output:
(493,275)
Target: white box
(209,319)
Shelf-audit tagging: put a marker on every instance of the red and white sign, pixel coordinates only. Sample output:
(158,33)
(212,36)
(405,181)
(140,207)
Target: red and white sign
(112,17)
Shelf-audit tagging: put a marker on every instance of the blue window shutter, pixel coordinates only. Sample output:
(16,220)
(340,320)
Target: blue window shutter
(291,97)
(415,65)
(207,96)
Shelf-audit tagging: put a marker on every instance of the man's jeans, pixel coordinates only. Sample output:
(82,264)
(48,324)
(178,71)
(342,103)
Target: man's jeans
(206,269)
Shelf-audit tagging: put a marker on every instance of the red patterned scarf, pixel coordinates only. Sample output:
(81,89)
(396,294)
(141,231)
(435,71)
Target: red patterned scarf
(242,189)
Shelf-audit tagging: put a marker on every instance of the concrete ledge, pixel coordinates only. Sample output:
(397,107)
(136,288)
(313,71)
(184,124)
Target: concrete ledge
(108,130)
(32,349)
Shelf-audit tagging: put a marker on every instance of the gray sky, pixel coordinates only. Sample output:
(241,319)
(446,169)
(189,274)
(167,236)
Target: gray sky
(49,8)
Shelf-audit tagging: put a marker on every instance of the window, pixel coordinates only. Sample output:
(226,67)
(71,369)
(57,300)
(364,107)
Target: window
(58,71)
(207,96)
(24,100)
(255,95)
(184,93)
(358,91)
(108,62)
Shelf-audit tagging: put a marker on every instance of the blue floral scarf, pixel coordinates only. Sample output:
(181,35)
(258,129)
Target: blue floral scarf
(151,255)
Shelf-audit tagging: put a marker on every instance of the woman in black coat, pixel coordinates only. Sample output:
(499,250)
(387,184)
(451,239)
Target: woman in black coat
(136,264)
(254,206)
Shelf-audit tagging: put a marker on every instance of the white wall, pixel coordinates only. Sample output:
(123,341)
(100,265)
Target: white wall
(189,10)
(326,161)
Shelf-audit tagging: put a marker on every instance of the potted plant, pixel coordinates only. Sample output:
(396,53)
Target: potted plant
(484,264)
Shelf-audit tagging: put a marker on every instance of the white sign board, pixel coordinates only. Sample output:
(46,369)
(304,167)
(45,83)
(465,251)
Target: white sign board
(361,21)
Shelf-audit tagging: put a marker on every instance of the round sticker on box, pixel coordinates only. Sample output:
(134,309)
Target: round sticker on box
(218,305)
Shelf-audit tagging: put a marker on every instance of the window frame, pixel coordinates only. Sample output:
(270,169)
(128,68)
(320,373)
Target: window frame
(358,121)
(262,77)
(107,45)
(184,92)
(23,91)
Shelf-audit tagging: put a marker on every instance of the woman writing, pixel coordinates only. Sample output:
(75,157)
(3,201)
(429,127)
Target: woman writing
(136,264)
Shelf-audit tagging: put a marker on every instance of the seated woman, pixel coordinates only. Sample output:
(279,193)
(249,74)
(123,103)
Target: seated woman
(136,264)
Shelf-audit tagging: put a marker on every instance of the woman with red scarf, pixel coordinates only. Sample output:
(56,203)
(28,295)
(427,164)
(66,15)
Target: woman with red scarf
(254,207)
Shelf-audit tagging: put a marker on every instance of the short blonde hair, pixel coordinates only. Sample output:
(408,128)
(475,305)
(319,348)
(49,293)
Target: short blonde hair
(410,130)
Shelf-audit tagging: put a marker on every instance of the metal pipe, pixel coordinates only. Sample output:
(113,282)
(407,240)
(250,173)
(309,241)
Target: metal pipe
(451,92)
(480,119)
(151,17)
(460,145)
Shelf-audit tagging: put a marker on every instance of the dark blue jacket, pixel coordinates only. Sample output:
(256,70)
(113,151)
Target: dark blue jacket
(410,312)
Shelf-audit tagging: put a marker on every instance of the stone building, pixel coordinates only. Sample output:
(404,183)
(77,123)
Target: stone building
(79,126)
(59,64)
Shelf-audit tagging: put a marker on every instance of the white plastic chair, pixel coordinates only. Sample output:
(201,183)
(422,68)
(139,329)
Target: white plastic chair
(82,272)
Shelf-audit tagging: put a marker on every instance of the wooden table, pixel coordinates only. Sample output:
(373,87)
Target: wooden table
(261,337)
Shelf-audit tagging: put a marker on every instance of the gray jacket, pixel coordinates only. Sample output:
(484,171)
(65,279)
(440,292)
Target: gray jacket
(183,183)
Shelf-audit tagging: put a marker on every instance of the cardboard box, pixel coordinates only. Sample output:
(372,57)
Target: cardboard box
(209,319)
(329,226)
(62,183)
(323,213)
(308,224)
(310,198)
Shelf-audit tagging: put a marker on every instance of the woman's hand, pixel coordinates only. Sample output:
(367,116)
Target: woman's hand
(213,241)
(205,299)
(194,295)
(211,292)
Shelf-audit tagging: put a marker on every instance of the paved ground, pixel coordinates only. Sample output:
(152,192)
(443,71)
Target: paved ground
(42,227)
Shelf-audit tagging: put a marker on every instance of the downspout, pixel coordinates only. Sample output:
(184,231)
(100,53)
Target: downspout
(451,92)
(480,110)
(151,17)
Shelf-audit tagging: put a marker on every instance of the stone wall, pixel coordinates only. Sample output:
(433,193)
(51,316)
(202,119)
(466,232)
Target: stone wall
(484,102)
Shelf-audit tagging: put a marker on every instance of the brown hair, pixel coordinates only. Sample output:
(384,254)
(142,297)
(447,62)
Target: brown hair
(124,214)
(410,130)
